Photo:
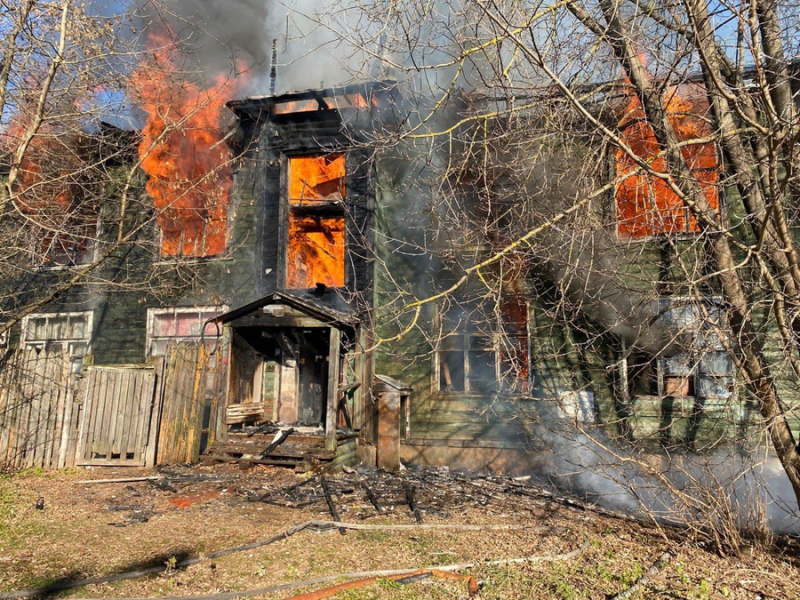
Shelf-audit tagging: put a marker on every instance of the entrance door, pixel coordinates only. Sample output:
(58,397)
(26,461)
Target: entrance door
(312,367)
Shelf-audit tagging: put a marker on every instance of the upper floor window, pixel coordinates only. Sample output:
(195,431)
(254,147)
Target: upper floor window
(645,205)
(73,245)
(482,351)
(169,325)
(316,240)
(56,331)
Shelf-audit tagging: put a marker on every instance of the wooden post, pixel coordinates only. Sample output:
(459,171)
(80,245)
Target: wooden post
(333,389)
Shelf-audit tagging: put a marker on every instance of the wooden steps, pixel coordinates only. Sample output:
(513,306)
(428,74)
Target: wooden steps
(301,451)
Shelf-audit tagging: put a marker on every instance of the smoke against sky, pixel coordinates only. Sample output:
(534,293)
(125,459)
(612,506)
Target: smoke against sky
(223,35)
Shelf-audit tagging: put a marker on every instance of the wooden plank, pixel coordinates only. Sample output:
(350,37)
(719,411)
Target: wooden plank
(128,447)
(8,409)
(103,410)
(109,434)
(53,429)
(50,399)
(194,414)
(10,391)
(150,433)
(131,447)
(162,452)
(147,397)
(333,388)
(132,415)
(36,407)
(57,457)
(21,427)
(137,441)
(91,377)
(100,422)
(121,414)
(76,412)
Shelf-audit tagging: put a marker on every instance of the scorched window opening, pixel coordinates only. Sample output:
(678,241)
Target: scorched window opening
(316,220)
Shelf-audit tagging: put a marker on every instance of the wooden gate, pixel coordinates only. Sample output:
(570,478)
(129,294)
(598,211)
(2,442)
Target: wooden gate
(192,414)
(119,423)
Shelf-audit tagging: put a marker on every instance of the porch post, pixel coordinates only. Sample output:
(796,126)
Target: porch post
(333,389)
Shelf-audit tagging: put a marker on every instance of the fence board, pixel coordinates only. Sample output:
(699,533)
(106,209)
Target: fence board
(191,402)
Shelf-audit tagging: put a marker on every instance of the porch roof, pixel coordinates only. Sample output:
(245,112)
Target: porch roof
(325,314)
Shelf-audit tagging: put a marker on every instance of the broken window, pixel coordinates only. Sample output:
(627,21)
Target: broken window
(480,352)
(169,325)
(316,248)
(645,205)
(60,331)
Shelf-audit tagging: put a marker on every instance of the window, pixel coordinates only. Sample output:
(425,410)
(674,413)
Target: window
(700,366)
(645,205)
(58,331)
(481,353)
(316,240)
(168,325)
(190,232)
(73,245)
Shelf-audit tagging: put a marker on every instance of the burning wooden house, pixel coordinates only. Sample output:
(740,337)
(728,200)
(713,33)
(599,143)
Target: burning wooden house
(297,261)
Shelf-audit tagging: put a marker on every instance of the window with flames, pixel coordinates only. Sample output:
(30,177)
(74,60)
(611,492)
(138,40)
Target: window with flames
(316,239)
(646,206)
(482,350)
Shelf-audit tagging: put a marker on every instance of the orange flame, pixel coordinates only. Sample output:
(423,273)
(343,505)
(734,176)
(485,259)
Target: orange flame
(316,252)
(646,205)
(48,187)
(183,152)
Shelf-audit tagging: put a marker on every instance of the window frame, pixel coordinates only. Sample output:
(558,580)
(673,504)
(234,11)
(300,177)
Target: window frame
(695,354)
(27,343)
(464,346)
(328,209)
(175,310)
(91,252)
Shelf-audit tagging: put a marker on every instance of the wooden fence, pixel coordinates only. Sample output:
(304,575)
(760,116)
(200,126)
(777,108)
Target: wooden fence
(117,427)
(51,418)
(40,410)
(193,411)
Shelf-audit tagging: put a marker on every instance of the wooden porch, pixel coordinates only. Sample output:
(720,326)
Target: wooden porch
(302,451)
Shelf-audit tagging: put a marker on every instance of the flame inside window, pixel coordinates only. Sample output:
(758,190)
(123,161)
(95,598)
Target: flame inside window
(646,205)
(316,179)
(316,252)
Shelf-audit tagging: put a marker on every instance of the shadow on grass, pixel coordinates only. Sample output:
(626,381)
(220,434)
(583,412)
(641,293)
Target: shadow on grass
(162,563)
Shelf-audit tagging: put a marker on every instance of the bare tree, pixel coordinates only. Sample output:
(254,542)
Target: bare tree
(90,95)
(628,166)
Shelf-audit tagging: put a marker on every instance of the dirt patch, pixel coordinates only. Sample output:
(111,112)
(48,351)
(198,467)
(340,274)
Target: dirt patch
(93,530)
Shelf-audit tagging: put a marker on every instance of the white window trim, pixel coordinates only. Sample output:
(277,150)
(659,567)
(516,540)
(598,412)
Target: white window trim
(89,328)
(694,376)
(152,312)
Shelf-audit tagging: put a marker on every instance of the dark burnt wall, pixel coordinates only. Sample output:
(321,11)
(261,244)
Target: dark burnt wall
(253,265)
(273,141)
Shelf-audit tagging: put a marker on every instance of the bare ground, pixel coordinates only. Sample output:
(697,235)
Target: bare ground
(93,530)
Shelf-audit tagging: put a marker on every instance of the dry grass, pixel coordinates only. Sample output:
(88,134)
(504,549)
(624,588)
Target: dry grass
(76,536)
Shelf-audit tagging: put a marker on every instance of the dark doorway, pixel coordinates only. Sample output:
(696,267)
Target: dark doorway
(312,366)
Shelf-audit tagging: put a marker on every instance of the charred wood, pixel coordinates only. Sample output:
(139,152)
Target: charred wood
(412,504)
(329,499)
(279,439)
